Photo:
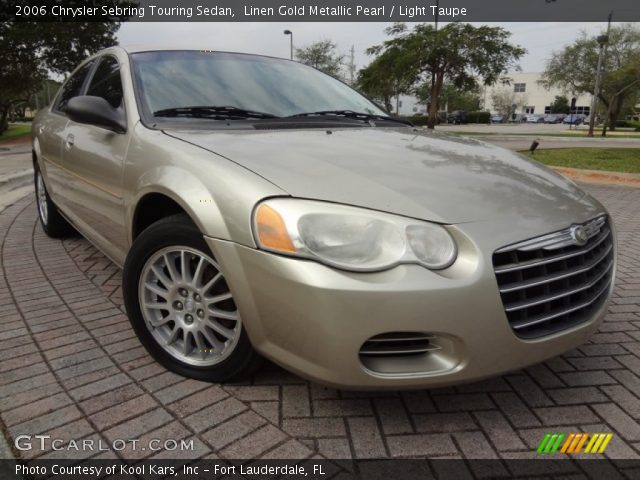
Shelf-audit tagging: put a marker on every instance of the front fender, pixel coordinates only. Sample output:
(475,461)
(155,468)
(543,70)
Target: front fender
(218,194)
(187,191)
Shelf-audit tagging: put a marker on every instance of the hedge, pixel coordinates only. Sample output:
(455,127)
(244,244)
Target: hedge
(628,124)
(472,117)
(479,117)
(418,120)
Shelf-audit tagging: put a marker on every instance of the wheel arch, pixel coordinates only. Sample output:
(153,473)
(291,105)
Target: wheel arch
(36,152)
(152,207)
(168,191)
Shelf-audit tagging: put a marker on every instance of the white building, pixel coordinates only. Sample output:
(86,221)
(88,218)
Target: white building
(407,106)
(528,96)
(531,97)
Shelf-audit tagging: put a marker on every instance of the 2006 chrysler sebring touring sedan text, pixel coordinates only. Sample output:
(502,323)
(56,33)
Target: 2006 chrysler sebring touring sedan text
(261,208)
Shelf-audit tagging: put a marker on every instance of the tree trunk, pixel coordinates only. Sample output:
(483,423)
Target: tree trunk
(387,103)
(4,114)
(613,110)
(616,106)
(433,107)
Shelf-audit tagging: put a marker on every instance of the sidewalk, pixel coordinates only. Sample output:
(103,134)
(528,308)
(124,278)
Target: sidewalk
(16,171)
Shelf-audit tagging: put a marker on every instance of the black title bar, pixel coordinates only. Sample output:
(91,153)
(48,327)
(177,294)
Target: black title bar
(321,10)
(320,469)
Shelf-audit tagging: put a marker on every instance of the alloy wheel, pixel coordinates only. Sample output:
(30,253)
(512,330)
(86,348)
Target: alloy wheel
(188,307)
(41,194)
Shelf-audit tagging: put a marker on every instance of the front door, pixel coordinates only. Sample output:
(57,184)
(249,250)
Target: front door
(93,161)
(51,130)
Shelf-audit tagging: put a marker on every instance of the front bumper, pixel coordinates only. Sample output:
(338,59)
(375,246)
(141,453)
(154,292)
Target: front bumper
(313,320)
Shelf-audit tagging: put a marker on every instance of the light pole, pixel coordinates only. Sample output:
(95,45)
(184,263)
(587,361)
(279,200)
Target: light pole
(290,33)
(432,122)
(602,40)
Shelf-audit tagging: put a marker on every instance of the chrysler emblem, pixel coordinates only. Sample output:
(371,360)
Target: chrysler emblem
(579,235)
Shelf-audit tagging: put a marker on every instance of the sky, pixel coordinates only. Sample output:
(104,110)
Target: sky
(540,39)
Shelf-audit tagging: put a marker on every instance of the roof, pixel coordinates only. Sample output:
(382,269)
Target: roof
(160,48)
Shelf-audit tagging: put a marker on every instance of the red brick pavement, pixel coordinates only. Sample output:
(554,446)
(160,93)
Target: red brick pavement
(71,367)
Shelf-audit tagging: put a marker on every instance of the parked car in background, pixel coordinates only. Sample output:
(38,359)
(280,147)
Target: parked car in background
(517,118)
(457,117)
(535,118)
(554,118)
(497,118)
(574,119)
(260,207)
(587,119)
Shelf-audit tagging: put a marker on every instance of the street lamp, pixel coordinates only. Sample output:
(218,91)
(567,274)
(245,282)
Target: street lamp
(289,32)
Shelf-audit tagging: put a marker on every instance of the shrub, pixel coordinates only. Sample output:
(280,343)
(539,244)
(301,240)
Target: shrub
(479,117)
(421,120)
(418,120)
(628,124)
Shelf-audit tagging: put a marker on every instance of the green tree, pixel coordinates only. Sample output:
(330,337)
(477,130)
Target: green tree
(458,53)
(30,51)
(21,72)
(321,55)
(451,97)
(383,79)
(44,95)
(574,68)
(560,104)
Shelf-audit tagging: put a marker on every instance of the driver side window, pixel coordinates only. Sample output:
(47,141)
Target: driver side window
(106,82)
(73,87)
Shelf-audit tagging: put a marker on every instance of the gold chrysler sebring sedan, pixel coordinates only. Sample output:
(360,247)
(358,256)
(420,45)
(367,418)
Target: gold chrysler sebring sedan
(260,208)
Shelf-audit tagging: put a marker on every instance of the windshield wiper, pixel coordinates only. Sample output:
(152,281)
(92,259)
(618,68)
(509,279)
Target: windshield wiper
(351,114)
(213,112)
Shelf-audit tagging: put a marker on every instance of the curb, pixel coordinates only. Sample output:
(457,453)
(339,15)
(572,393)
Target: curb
(600,176)
(14,186)
(15,179)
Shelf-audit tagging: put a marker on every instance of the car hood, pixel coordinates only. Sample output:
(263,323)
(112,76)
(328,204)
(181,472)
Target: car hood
(407,171)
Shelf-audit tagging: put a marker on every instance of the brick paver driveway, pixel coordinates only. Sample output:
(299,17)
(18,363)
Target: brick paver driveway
(72,368)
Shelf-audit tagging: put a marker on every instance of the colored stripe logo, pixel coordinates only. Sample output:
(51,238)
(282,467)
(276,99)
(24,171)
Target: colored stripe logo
(574,443)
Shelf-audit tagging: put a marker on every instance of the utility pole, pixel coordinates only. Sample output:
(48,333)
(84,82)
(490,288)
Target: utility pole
(352,66)
(433,74)
(603,40)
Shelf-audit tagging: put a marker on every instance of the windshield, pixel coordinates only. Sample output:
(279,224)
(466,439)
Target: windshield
(174,79)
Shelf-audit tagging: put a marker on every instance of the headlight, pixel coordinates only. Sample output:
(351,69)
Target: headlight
(348,237)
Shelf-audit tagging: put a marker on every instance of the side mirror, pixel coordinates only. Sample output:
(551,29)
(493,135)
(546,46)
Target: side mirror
(96,111)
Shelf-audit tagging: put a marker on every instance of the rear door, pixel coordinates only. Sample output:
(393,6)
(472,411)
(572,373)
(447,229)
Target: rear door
(93,161)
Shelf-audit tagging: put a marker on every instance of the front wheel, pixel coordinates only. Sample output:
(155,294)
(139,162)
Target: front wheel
(181,307)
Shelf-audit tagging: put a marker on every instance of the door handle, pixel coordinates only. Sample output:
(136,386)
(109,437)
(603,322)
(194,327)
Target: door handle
(68,143)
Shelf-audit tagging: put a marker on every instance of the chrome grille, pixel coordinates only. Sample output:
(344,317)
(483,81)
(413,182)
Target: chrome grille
(395,344)
(553,282)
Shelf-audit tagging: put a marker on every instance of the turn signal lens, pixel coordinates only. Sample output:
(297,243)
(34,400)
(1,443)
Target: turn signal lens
(271,230)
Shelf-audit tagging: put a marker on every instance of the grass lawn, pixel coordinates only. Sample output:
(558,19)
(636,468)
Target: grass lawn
(610,159)
(15,131)
(566,133)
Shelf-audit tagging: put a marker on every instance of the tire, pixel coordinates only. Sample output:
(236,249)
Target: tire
(53,223)
(169,310)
